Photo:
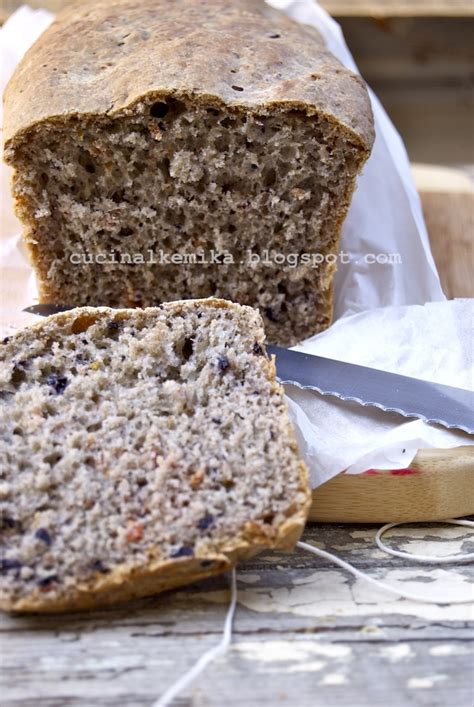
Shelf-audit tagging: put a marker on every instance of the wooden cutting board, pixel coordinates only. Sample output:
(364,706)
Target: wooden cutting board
(440,482)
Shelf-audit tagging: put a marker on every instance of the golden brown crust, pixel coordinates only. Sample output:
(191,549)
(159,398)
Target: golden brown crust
(102,57)
(125,583)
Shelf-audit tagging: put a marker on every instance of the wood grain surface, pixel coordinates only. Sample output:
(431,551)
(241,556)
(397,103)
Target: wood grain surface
(306,635)
(438,484)
(338,8)
(399,8)
(447,197)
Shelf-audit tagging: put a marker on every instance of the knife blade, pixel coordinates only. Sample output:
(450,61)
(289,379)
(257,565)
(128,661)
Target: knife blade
(411,397)
(433,403)
(46,310)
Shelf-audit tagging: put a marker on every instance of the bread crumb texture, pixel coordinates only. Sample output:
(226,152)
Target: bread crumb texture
(184,128)
(140,449)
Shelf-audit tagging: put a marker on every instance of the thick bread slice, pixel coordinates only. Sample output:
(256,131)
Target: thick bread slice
(140,450)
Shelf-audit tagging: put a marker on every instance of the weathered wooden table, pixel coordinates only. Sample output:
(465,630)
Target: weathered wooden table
(306,635)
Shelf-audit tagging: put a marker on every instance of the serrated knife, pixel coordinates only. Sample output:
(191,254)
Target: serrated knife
(431,402)
(411,397)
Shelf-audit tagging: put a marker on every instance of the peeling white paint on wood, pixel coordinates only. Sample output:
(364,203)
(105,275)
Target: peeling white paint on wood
(400,651)
(424,683)
(431,548)
(365,534)
(333,679)
(442,542)
(333,593)
(288,657)
(447,649)
(437,540)
(373,552)
(249,578)
(269,651)
(310,667)
(105,663)
(326,639)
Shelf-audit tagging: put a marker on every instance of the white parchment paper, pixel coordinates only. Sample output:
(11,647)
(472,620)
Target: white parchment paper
(381,316)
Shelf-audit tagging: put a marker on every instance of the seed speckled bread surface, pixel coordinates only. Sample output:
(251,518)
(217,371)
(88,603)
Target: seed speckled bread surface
(184,127)
(140,450)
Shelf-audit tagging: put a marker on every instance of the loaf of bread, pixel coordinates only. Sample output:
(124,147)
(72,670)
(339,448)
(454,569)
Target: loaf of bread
(170,150)
(140,450)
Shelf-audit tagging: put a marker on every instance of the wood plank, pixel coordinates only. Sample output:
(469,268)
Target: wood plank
(420,68)
(338,8)
(437,485)
(261,671)
(431,51)
(398,8)
(447,197)
(435,121)
(305,634)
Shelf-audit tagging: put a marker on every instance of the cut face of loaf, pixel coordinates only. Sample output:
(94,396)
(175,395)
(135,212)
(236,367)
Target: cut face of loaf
(222,134)
(140,450)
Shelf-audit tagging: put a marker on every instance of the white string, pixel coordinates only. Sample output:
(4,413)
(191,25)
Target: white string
(380,585)
(460,557)
(208,656)
(225,642)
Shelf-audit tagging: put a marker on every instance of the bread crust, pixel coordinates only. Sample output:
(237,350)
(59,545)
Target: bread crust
(124,584)
(103,57)
(127,582)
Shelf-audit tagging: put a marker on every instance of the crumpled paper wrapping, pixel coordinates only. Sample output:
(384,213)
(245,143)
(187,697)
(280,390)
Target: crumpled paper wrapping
(380,317)
(432,342)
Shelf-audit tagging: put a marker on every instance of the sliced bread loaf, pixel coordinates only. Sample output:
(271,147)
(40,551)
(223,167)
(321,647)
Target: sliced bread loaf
(166,150)
(140,450)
